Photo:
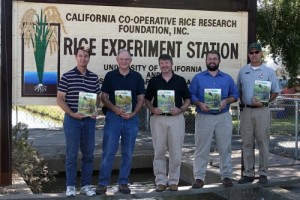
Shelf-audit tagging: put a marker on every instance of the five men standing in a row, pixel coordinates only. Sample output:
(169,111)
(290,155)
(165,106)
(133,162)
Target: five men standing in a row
(167,97)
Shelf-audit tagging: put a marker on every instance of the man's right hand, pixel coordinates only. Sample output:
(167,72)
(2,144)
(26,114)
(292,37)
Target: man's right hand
(76,115)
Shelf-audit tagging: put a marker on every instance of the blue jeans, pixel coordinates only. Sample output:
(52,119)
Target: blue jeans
(80,134)
(115,128)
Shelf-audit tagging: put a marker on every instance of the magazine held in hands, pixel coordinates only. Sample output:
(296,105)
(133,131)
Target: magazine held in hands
(87,103)
(123,100)
(262,90)
(165,100)
(212,97)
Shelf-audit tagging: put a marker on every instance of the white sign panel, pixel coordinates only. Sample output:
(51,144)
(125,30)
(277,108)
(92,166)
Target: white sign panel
(46,36)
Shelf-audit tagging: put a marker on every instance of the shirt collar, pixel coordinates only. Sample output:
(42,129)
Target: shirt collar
(78,72)
(173,76)
(219,73)
(118,72)
(255,68)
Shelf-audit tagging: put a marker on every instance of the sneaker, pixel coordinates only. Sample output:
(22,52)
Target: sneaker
(88,191)
(71,191)
(124,189)
(246,179)
(263,179)
(173,187)
(227,182)
(101,189)
(160,188)
(198,183)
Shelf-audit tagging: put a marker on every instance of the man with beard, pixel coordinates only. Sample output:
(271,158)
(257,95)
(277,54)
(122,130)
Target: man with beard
(212,92)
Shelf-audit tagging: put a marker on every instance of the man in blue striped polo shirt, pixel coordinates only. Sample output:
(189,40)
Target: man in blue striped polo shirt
(79,88)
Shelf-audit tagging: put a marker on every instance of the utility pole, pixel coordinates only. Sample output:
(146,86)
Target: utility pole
(6,93)
(252,21)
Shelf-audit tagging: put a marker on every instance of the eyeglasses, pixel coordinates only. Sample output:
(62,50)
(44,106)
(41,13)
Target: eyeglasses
(252,52)
(125,59)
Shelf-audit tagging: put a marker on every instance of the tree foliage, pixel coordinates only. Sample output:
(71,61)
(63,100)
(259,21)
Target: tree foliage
(279,28)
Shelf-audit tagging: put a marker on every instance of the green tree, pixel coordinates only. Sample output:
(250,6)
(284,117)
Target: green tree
(279,28)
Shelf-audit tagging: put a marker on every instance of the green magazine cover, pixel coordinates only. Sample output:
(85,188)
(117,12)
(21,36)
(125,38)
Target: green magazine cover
(87,103)
(123,100)
(165,100)
(262,90)
(212,97)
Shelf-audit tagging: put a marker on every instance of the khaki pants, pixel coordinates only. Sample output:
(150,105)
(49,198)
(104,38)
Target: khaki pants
(167,135)
(206,126)
(255,127)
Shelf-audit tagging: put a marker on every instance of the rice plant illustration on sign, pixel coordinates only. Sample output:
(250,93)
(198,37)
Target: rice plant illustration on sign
(38,32)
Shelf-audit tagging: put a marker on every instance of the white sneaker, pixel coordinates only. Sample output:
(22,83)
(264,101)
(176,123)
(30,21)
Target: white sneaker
(88,190)
(71,191)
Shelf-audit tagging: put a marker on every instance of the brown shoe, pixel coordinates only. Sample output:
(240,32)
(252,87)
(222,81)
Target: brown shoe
(173,187)
(227,182)
(160,188)
(198,184)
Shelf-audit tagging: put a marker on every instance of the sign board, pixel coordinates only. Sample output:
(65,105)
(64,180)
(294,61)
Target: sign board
(46,36)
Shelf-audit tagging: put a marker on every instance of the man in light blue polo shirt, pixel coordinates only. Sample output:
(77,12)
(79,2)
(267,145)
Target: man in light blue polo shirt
(258,86)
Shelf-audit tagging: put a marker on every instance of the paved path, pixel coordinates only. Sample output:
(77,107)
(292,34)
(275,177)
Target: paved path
(284,173)
(51,146)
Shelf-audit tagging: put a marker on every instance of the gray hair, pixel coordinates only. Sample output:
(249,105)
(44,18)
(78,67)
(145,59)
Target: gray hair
(123,50)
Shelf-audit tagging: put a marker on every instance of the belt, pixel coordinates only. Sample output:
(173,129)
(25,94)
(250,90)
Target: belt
(250,106)
(166,114)
(215,113)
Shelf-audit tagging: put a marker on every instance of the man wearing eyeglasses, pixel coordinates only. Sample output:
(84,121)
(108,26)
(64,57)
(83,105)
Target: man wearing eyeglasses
(123,96)
(258,86)
(212,91)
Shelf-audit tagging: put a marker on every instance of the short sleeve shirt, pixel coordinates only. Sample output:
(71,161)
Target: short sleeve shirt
(176,83)
(247,76)
(114,80)
(73,82)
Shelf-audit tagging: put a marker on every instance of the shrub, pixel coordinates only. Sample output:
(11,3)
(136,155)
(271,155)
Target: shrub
(27,162)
